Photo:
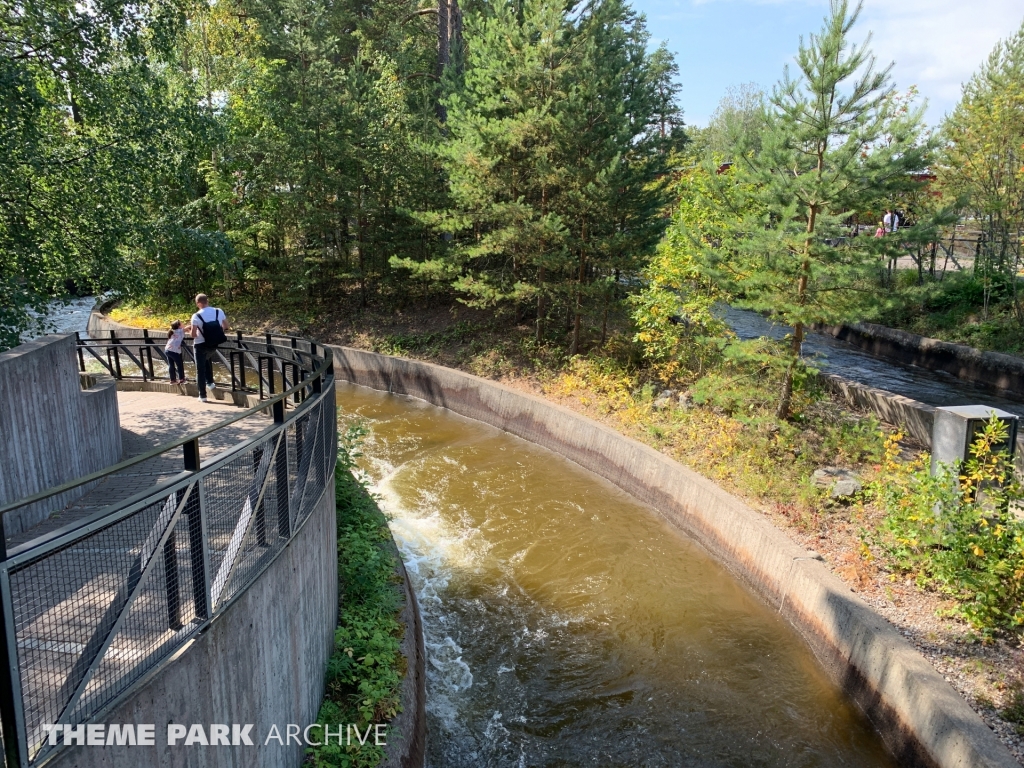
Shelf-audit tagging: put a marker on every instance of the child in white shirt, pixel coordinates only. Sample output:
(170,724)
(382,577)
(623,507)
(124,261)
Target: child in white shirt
(175,362)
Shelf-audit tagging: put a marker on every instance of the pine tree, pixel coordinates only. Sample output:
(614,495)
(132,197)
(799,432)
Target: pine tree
(835,141)
(554,153)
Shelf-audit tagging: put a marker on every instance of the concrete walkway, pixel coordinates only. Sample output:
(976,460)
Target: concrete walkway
(148,420)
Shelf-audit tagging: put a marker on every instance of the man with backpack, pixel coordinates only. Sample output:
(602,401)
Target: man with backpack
(208,327)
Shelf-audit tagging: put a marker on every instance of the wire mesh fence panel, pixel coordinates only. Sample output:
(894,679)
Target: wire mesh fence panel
(302,439)
(261,538)
(233,507)
(67,602)
(316,479)
(167,608)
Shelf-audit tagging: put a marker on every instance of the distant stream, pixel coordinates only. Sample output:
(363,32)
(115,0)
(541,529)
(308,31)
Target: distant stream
(831,355)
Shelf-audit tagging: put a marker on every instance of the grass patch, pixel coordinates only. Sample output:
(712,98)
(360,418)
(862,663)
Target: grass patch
(365,672)
(724,427)
(1014,710)
(955,310)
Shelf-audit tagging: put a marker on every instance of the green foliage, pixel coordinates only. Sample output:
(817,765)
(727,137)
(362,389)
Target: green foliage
(557,130)
(325,116)
(728,432)
(836,140)
(736,122)
(1014,710)
(364,674)
(673,311)
(958,531)
(982,167)
(402,344)
(92,144)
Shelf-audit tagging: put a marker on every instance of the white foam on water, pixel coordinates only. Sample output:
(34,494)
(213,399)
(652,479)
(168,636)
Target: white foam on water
(432,552)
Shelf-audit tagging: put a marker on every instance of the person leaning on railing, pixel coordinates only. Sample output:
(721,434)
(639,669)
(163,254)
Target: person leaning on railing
(208,331)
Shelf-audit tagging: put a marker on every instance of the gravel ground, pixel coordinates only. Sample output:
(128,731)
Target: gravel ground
(986,674)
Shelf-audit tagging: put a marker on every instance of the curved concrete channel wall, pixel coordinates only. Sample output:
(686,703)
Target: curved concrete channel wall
(921,718)
(992,369)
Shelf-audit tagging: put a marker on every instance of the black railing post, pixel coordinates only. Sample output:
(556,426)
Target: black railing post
(81,353)
(147,356)
(284,515)
(261,513)
(171,582)
(196,536)
(12,708)
(191,450)
(197,545)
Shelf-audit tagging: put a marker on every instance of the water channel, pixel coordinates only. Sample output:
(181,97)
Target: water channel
(568,625)
(839,357)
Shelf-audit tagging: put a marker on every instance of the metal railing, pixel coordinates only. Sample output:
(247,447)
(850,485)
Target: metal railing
(90,609)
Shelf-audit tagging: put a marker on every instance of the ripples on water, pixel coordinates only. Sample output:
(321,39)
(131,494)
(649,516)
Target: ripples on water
(63,317)
(842,358)
(568,625)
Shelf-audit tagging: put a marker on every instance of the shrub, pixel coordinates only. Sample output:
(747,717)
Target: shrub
(365,672)
(957,531)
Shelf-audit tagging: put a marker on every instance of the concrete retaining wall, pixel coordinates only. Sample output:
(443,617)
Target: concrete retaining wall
(262,661)
(989,368)
(915,417)
(922,719)
(51,430)
(407,740)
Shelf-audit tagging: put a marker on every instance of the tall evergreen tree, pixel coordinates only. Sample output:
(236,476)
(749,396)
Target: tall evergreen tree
(835,141)
(558,128)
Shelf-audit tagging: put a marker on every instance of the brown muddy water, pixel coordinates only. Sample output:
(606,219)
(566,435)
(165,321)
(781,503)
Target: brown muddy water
(567,624)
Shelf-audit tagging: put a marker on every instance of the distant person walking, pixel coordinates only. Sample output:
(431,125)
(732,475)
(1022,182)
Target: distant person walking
(891,221)
(175,363)
(208,327)
(880,232)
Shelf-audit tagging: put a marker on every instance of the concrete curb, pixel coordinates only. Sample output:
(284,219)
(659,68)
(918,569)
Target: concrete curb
(409,750)
(921,718)
(993,369)
(912,415)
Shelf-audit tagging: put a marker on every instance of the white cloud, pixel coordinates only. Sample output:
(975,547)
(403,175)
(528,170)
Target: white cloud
(938,44)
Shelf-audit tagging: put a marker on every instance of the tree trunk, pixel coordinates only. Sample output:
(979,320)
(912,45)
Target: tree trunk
(449,30)
(540,305)
(578,315)
(785,401)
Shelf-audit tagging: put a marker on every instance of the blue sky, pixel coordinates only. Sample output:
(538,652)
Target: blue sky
(936,44)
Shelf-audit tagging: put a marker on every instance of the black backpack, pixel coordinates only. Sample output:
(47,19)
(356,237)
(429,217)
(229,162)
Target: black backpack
(213,333)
